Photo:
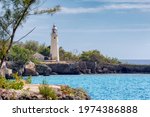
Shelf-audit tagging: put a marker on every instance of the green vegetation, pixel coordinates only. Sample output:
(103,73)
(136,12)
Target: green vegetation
(67,56)
(29,80)
(31,45)
(47,92)
(44,50)
(75,93)
(96,56)
(16,84)
(22,53)
(66,90)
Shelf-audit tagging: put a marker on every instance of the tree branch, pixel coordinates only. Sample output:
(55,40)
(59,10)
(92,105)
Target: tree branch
(18,21)
(24,35)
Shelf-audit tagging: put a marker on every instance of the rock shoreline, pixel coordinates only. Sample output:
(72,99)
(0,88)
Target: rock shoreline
(31,92)
(76,68)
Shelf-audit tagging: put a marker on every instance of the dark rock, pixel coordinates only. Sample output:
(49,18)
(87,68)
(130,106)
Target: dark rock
(43,69)
(65,68)
(54,73)
(92,66)
(82,67)
(9,76)
(46,58)
(16,67)
(88,71)
(30,72)
(123,68)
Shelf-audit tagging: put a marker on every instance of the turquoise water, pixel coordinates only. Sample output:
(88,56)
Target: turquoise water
(105,87)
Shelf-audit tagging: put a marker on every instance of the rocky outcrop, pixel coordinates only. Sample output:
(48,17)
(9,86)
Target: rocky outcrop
(65,68)
(123,68)
(87,67)
(82,67)
(29,70)
(16,67)
(43,69)
(34,94)
(72,94)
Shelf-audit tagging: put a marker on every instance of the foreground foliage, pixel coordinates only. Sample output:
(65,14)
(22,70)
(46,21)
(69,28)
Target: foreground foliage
(47,92)
(16,84)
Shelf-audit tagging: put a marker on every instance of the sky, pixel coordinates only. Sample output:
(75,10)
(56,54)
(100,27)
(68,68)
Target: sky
(117,28)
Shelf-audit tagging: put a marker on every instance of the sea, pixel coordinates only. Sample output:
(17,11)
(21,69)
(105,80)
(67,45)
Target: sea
(136,61)
(104,86)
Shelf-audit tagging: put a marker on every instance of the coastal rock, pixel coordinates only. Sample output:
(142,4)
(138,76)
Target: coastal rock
(43,70)
(92,66)
(82,67)
(19,95)
(16,67)
(39,56)
(123,68)
(54,73)
(87,67)
(64,68)
(29,70)
(67,93)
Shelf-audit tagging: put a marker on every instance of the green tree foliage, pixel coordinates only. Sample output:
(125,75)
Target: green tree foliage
(44,50)
(20,54)
(67,56)
(96,56)
(31,45)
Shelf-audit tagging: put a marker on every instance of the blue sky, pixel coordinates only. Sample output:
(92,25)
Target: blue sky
(118,28)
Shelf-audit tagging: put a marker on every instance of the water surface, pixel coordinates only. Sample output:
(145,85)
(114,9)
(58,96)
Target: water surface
(105,87)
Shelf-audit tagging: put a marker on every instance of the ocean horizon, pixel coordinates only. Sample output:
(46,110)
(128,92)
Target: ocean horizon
(136,61)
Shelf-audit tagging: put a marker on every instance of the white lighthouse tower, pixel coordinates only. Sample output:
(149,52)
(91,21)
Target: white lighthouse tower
(54,52)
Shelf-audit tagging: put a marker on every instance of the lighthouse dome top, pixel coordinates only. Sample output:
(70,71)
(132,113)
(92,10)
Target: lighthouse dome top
(54,27)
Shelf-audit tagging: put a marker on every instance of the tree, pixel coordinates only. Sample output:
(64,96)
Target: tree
(20,54)
(13,14)
(96,56)
(44,50)
(67,56)
(32,45)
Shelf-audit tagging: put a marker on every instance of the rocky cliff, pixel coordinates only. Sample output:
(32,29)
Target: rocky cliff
(76,68)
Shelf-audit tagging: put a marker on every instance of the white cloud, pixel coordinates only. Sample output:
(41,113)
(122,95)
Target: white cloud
(120,1)
(108,30)
(140,7)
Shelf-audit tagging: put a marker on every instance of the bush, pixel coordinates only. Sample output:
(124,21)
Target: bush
(28,80)
(20,54)
(96,56)
(66,90)
(16,84)
(47,92)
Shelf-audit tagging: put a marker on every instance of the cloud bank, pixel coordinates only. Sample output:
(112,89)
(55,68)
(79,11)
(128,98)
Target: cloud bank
(79,10)
(119,1)
(108,30)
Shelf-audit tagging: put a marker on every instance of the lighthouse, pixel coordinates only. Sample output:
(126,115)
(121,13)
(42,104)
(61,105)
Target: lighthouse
(54,52)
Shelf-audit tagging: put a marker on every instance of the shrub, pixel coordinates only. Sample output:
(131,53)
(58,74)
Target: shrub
(28,80)
(16,84)
(47,92)
(96,56)
(66,90)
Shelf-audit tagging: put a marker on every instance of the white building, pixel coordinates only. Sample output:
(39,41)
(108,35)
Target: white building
(54,52)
